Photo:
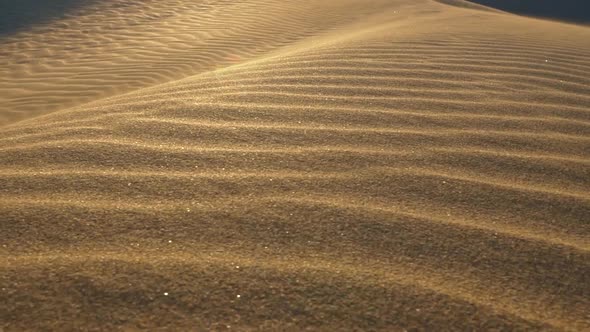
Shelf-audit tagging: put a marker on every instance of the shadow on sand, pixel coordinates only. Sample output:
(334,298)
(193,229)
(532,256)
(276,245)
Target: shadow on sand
(16,15)
(565,10)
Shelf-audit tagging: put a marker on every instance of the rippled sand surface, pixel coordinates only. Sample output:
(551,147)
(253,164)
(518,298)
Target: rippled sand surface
(293,164)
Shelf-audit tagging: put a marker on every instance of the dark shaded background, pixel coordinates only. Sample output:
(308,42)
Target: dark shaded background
(568,10)
(16,15)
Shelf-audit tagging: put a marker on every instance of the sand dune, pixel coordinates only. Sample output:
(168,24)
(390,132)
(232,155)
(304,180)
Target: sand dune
(288,165)
(115,46)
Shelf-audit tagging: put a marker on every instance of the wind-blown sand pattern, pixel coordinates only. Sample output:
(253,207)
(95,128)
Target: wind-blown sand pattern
(288,165)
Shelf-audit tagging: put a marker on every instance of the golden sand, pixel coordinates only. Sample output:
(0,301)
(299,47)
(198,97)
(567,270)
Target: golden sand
(289,165)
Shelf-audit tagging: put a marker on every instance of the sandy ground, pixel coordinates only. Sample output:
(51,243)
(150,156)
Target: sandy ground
(291,164)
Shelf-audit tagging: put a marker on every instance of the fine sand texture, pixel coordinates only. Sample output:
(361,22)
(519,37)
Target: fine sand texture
(288,165)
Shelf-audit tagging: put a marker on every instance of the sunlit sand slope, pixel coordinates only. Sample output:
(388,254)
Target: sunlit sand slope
(420,165)
(115,46)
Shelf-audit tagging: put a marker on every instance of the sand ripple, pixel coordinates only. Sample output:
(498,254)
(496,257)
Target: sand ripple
(322,165)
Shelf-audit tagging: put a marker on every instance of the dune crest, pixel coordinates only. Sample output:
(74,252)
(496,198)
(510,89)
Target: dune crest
(268,164)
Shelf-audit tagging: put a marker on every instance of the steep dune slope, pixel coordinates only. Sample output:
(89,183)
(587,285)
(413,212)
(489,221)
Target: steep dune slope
(419,166)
